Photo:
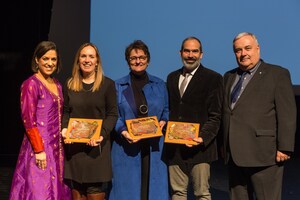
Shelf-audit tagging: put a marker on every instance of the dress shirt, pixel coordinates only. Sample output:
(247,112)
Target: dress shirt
(182,76)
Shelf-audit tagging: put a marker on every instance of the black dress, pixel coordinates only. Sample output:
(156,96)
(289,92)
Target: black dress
(85,164)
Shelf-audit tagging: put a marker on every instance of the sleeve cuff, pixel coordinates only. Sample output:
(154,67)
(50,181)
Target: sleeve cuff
(123,128)
(35,140)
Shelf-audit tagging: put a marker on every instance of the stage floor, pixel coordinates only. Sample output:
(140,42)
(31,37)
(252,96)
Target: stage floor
(218,182)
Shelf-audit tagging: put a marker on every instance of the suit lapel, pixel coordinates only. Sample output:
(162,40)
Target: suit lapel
(231,79)
(175,81)
(255,81)
(194,82)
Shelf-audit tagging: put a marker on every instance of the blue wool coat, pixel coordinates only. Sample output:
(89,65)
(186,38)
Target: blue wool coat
(126,158)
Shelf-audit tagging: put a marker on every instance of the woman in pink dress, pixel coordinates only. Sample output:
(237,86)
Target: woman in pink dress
(39,169)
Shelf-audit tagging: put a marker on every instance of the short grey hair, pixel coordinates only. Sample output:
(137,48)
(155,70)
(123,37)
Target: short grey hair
(238,36)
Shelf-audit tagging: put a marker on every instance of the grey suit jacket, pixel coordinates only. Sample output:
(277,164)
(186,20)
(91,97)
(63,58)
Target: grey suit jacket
(263,119)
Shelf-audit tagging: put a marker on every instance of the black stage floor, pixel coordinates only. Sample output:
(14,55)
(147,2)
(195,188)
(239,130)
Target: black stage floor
(219,185)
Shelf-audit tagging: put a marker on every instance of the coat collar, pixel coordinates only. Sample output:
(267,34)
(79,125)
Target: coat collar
(127,81)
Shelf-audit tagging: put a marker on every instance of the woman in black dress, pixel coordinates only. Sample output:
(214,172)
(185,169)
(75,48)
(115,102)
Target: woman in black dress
(89,94)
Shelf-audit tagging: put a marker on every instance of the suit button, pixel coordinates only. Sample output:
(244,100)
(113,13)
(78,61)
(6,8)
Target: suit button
(179,117)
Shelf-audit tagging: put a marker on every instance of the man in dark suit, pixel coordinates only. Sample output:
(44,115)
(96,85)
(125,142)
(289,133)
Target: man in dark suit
(200,102)
(259,123)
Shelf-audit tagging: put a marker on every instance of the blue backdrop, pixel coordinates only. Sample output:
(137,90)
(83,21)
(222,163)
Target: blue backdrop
(163,24)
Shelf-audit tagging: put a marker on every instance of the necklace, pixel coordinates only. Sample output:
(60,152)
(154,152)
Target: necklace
(137,84)
(87,87)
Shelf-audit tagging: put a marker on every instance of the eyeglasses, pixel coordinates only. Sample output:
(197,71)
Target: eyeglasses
(194,51)
(141,58)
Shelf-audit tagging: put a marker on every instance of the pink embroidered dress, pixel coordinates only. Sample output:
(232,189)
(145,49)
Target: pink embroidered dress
(41,111)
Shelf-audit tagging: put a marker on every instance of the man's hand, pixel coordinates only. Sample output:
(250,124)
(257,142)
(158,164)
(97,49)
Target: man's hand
(199,141)
(281,157)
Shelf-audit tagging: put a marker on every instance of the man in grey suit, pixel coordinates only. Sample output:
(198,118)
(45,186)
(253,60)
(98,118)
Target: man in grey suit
(259,123)
(195,96)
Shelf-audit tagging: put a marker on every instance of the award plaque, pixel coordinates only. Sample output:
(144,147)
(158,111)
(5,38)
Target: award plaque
(182,132)
(82,130)
(141,128)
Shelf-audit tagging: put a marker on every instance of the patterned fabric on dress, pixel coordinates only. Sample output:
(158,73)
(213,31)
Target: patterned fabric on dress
(42,109)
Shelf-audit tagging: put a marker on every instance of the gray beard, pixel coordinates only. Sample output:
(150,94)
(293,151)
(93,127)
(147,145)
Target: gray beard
(191,67)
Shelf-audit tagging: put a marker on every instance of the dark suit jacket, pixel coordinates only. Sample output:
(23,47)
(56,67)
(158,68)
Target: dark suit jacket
(201,103)
(263,119)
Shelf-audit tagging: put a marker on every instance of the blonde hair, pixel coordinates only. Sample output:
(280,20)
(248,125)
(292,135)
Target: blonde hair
(75,82)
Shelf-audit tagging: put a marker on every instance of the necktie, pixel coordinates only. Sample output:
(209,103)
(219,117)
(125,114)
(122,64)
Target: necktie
(183,83)
(237,88)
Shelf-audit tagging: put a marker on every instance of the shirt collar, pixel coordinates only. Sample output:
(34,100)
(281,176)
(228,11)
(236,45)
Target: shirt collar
(184,71)
(250,71)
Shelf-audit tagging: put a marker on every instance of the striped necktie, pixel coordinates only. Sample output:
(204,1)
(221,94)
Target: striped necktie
(235,94)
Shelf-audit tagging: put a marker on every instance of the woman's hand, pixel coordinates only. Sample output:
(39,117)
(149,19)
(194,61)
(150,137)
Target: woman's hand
(64,135)
(162,124)
(129,139)
(94,142)
(40,159)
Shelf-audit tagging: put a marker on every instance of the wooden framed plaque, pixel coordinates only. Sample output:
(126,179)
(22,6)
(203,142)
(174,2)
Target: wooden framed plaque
(146,127)
(82,130)
(181,132)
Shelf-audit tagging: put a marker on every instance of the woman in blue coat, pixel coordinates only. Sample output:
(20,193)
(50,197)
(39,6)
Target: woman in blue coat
(138,170)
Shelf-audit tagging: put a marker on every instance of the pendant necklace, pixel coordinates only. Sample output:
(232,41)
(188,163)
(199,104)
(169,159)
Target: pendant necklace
(139,95)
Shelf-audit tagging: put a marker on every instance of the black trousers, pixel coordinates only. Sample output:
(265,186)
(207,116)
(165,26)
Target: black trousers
(145,153)
(263,183)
